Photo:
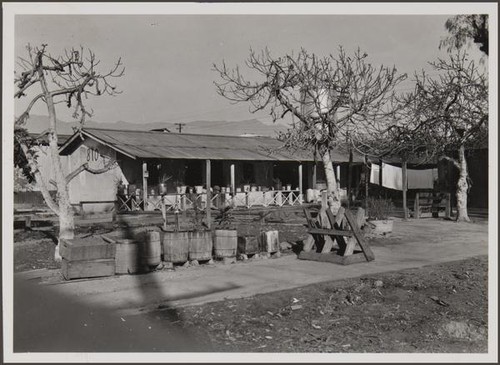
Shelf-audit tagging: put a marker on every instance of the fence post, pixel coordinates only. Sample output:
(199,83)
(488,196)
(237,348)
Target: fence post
(417,206)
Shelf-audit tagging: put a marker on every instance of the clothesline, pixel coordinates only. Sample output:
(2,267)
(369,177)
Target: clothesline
(392,177)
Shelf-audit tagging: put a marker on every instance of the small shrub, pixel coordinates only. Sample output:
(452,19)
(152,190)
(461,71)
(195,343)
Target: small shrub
(379,208)
(225,217)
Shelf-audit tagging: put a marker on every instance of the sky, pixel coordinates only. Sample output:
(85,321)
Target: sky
(169,59)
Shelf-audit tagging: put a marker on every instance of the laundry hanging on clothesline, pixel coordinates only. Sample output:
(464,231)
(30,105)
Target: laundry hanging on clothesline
(392,177)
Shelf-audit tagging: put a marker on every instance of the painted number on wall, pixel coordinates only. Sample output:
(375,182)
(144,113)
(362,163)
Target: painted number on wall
(93,154)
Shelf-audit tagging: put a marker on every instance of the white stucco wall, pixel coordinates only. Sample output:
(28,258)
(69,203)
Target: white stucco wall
(91,187)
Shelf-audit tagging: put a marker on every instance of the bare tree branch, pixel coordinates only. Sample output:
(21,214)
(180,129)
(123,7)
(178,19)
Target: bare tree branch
(85,167)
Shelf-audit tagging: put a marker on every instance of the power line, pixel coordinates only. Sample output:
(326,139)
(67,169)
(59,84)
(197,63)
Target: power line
(179,126)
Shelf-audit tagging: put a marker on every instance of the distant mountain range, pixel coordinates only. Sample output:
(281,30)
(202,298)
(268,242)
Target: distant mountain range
(38,123)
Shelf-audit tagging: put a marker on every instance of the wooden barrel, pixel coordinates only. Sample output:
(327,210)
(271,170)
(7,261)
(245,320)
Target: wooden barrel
(269,241)
(127,257)
(225,243)
(200,245)
(151,248)
(175,246)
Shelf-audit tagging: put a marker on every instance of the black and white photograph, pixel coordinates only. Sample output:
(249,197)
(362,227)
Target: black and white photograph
(250,182)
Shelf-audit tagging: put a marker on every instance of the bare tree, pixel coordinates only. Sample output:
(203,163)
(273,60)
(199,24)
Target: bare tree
(466,28)
(69,79)
(449,114)
(333,99)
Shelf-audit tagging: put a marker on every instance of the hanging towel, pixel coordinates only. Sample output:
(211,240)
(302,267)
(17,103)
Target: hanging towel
(374,173)
(392,177)
(422,179)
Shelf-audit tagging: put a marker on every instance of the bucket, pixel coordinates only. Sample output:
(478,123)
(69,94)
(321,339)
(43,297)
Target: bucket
(126,257)
(151,248)
(225,243)
(200,245)
(175,247)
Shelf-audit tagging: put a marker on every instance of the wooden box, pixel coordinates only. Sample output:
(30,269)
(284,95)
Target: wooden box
(269,241)
(87,268)
(93,248)
(248,245)
(127,258)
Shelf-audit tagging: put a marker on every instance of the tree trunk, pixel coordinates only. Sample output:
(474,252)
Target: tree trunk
(331,182)
(66,219)
(462,185)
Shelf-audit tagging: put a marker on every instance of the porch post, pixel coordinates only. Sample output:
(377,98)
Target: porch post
(233,187)
(405,187)
(209,194)
(300,183)
(145,184)
(380,175)
(314,176)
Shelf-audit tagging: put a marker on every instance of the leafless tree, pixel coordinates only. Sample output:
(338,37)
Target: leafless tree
(334,100)
(449,113)
(69,79)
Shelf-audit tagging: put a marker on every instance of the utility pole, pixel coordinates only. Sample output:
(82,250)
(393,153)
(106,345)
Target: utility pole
(179,126)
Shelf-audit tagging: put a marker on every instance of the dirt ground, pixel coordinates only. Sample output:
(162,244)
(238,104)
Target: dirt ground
(435,309)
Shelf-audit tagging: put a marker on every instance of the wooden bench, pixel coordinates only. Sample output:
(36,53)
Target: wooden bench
(431,202)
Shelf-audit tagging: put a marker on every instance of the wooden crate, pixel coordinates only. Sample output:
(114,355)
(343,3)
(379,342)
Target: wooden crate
(269,241)
(93,248)
(87,268)
(127,258)
(248,245)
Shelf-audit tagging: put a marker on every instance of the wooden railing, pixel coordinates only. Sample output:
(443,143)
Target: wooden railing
(182,202)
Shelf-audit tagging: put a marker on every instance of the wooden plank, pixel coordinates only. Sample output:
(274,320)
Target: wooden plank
(87,268)
(340,215)
(330,232)
(313,224)
(359,237)
(335,222)
(332,257)
(327,247)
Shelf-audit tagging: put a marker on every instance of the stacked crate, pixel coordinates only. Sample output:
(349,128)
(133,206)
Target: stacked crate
(87,258)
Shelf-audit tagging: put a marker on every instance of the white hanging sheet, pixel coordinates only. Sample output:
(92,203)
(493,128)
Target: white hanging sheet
(392,177)
(374,173)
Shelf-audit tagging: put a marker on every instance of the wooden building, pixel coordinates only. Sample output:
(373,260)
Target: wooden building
(243,171)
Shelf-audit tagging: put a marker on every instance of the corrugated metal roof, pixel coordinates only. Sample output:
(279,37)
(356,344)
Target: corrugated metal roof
(153,144)
(147,144)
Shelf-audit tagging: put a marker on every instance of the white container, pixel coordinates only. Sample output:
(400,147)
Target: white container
(310,195)
(198,189)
